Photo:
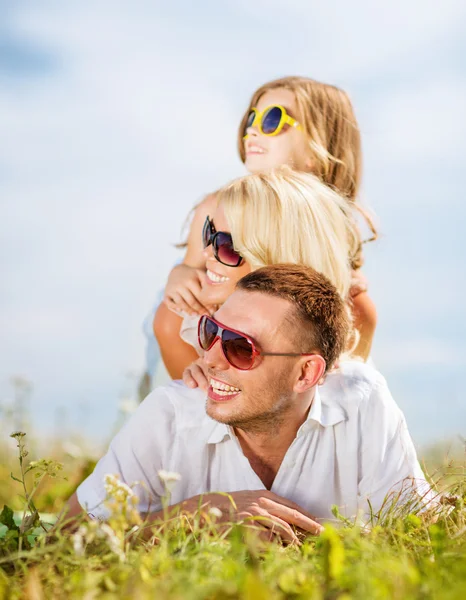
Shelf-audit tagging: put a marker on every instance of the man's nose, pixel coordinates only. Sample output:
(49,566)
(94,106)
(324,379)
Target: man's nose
(214,358)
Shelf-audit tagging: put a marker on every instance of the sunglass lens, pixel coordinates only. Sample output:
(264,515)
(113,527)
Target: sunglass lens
(237,350)
(271,120)
(250,120)
(208,330)
(225,251)
(206,232)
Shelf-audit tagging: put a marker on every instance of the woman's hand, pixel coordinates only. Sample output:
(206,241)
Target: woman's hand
(196,375)
(184,289)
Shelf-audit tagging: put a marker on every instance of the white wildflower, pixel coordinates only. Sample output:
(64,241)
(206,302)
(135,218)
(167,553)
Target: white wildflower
(168,477)
(114,542)
(215,512)
(78,541)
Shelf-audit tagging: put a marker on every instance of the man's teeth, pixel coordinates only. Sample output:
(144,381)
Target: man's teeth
(217,278)
(222,389)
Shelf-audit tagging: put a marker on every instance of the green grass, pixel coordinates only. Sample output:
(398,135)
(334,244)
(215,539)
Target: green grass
(400,558)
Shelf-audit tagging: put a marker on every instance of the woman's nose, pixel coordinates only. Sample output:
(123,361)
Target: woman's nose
(208,252)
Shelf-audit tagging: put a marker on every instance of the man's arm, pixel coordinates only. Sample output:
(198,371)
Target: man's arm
(262,509)
(135,456)
(391,477)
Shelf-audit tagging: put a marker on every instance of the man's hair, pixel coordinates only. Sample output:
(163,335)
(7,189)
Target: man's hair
(320,316)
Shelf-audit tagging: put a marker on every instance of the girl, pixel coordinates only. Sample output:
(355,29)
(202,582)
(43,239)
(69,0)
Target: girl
(293,121)
(281,216)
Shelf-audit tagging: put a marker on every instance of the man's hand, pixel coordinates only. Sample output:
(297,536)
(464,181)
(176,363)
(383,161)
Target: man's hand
(260,508)
(196,375)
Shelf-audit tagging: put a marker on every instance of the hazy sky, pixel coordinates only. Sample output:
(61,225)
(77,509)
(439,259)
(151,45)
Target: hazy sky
(116,117)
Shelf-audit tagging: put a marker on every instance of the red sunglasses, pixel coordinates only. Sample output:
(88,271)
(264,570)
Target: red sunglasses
(238,348)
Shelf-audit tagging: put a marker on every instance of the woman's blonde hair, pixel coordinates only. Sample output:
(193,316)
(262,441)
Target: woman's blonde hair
(327,117)
(284,216)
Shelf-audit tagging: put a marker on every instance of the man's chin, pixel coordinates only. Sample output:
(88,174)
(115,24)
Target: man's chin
(219,412)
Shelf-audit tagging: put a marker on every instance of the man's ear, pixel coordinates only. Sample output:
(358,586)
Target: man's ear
(312,370)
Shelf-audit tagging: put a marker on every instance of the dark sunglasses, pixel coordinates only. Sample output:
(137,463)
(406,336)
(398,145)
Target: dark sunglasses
(222,245)
(238,349)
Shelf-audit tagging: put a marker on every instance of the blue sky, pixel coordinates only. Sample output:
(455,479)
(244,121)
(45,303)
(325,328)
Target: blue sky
(116,117)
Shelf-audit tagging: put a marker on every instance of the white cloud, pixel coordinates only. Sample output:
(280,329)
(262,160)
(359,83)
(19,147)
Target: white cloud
(406,354)
(344,41)
(420,121)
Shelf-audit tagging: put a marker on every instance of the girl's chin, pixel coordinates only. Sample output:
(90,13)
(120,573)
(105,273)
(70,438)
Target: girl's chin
(259,162)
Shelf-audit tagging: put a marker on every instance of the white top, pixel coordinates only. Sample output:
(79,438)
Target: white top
(353,447)
(188,331)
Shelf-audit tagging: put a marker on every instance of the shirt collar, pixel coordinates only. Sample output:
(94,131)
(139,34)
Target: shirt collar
(320,412)
(219,432)
(325,414)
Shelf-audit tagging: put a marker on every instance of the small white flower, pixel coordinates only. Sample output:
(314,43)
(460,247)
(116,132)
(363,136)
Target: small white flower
(114,543)
(168,476)
(215,512)
(122,487)
(110,479)
(78,545)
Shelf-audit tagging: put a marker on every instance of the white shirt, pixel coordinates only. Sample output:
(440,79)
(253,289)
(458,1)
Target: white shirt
(353,447)
(188,331)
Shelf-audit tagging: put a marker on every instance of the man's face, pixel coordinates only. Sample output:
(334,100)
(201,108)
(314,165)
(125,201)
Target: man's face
(266,392)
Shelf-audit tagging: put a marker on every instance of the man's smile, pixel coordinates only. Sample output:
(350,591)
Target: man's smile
(221,391)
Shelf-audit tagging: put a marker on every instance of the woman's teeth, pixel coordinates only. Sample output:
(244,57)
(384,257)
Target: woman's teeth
(222,389)
(216,278)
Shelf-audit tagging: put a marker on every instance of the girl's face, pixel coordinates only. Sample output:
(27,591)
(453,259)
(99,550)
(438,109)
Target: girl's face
(290,147)
(221,279)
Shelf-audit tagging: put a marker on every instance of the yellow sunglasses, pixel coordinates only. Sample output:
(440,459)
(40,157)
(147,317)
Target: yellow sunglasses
(271,120)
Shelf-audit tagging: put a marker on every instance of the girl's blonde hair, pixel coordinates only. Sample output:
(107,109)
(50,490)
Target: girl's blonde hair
(284,216)
(326,114)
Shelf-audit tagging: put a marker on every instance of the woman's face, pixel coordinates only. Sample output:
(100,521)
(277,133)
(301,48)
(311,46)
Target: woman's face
(220,279)
(290,147)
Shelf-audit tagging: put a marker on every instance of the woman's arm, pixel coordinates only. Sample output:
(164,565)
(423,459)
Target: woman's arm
(365,321)
(176,353)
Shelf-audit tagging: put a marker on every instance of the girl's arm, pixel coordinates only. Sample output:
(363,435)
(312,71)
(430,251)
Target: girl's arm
(184,285)
(365,321)
(176,353)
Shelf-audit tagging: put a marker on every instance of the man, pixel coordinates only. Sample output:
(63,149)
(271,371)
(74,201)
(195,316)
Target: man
(285,448)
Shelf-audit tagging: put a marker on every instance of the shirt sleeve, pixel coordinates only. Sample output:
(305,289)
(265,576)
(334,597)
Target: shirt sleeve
(390,475)
(136,455)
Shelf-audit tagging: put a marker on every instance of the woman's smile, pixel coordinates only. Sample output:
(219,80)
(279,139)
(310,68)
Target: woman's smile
(214,278)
